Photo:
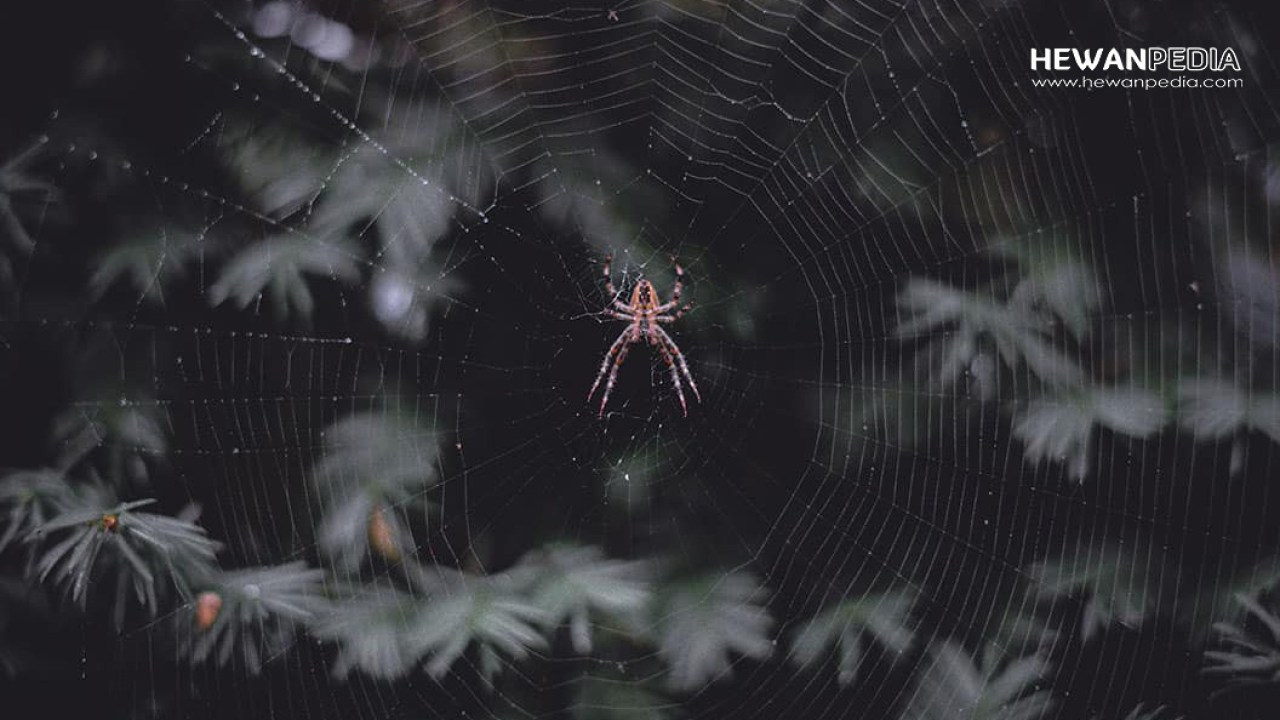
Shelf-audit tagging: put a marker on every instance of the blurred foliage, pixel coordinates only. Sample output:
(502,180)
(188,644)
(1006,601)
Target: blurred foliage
(96,540)
(1249,653)
(1016,330)
(31,498)
(953,685)
(461,611)
(1062,429)
(370,626)
(147,260)
(376,466)
(1213,409)
(579,586)
(850,625)
(251,615)
(366,190)
(120,440)
(706,621)
(1115,583)
(22,191)
(387,632)
(276,269)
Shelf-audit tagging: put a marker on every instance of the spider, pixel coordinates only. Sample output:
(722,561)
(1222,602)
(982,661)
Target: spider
(645,313)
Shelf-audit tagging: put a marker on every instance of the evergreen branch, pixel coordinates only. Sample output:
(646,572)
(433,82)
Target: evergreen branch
(706,620)
(375,466)
(1250,651)
(101,541)
(849,625)
(952,686)
(252,614)
(572,584)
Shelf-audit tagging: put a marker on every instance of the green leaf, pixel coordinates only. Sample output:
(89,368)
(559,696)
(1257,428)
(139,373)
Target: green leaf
(965,321)
(953,687)
(390,455)
(375,466)
(411,211)
(276,166)
(28,499)
(387,632)
(370,625)
(147,261)
(1065,289)
(707,620)
(96,543)
(1119,583)
(1250,651)
(1214,408)
(576,584)
(122,429)
(847,626)
(258,614)
(277,267)
(20,185)
(465,609)
(1062,428)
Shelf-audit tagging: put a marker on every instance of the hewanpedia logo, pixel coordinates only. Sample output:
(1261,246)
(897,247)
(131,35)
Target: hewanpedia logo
(1172,59)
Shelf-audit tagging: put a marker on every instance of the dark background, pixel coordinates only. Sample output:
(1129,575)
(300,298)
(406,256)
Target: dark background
(824,458)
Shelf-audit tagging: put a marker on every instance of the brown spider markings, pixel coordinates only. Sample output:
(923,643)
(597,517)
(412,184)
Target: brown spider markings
(646,313)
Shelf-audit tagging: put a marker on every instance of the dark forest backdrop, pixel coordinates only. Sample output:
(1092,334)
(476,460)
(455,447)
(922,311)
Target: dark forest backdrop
(301,304)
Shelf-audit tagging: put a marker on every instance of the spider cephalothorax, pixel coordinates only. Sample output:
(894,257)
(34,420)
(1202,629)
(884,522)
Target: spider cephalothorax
(645,313)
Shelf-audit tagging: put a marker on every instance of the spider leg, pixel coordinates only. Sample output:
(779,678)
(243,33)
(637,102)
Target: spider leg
(684,367)
(613,291)
(613,376)
(608,357)
(608,277)
(679,314)
(675,291)
(675,374)
(620,347)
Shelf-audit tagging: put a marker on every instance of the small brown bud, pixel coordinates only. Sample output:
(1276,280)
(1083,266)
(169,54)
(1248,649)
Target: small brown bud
(382,536)
(208,604)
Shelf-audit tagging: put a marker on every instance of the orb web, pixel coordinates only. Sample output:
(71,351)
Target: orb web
(949,331)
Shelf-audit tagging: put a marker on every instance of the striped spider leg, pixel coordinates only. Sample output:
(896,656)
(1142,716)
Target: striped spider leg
(645,314)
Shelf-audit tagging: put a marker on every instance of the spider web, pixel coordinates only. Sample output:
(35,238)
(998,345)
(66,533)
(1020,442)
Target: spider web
(806,162)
